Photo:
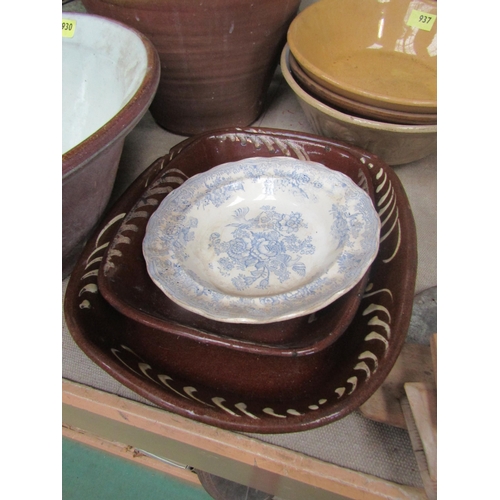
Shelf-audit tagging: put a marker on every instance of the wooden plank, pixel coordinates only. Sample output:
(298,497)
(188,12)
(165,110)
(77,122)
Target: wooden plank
(413,365)
(130,453)
(430,485)
(292,468)
(423,405)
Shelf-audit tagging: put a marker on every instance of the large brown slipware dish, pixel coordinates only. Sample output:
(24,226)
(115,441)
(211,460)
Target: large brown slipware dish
(125,283)
(217,57)
(147,360)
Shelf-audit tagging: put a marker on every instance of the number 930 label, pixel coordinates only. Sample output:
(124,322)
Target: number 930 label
(421,20)
(68,28)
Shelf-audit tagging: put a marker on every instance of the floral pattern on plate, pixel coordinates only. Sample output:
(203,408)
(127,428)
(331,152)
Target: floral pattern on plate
(262,246)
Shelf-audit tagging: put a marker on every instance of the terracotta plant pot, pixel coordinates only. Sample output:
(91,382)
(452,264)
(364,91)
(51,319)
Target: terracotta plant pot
(217,57)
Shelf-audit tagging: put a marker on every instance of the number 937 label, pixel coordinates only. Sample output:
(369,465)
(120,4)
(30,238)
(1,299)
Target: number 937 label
(421,20)
(68,28)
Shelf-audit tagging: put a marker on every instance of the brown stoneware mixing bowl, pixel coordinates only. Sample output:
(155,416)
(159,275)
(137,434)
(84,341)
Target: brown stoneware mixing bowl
(217,57)
(110,75)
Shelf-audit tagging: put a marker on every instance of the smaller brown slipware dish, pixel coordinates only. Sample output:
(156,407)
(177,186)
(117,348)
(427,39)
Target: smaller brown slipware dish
(297,393)
(394,143)
(359,108)
(125,283)
(377,52)
(106,91)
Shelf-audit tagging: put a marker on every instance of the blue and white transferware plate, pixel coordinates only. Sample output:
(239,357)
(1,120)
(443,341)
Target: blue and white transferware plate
(261,240)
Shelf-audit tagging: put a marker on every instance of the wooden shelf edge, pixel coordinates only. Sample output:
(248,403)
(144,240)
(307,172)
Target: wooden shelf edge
(129,453)
(238,447)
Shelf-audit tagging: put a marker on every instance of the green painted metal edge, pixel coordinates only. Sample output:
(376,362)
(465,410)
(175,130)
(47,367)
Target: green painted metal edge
(172,450)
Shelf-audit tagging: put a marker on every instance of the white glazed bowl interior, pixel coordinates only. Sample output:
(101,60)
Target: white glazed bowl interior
(261,240)
(96,88)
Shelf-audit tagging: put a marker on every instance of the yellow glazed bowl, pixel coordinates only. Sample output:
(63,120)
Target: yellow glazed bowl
(355,107)
(396,144)
(366,50)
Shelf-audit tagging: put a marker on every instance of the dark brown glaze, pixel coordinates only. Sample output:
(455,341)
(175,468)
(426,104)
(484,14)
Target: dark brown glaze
(251,392)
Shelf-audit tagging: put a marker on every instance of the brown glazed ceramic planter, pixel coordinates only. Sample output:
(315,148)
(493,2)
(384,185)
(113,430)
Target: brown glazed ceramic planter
(89,168)
(241,390)
(125,283)
(217,57)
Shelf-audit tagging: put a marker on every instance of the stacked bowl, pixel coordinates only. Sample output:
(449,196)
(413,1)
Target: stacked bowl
(365,71)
